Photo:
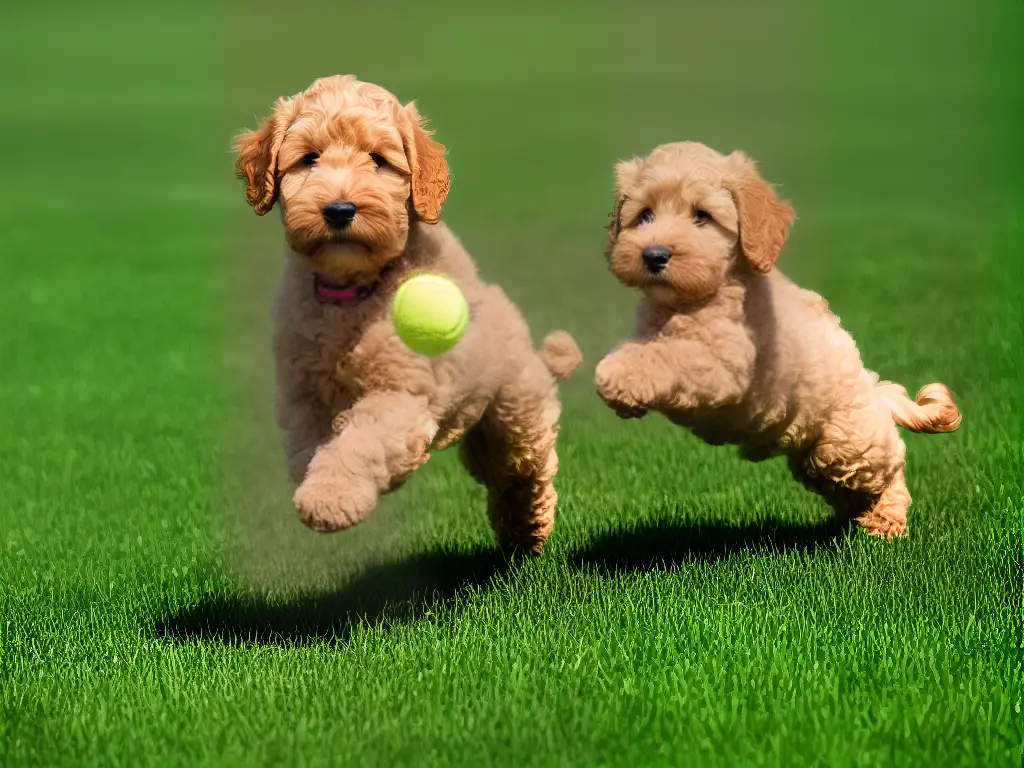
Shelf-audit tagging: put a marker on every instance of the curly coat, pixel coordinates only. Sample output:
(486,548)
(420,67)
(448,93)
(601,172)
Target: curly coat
(360,184)
(727,346)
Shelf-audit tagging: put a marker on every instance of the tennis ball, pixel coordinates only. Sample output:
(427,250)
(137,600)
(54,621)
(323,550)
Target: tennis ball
(430,314)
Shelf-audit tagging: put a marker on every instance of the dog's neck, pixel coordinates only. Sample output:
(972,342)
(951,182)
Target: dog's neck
(418,243)
(730,304)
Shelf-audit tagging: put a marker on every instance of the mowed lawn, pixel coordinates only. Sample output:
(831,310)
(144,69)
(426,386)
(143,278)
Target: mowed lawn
(161,605)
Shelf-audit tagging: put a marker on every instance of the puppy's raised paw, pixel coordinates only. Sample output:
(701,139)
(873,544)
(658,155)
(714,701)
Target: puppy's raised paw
(612,387)
(327,505)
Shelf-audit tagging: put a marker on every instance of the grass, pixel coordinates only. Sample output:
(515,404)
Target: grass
(159,604)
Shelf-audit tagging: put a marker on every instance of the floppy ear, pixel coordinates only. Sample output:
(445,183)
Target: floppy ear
(626,173)
(764,220)
(256,162)
(615,220)
(429,170)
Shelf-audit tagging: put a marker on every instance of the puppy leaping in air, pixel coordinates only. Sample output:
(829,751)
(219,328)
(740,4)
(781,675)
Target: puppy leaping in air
(727,346)
(360,184)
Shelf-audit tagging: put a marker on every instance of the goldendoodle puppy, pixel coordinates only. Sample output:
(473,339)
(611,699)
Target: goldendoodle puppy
(725,345)
(360,185)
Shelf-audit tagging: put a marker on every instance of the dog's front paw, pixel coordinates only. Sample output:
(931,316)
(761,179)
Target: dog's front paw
(613,387)
(327,504)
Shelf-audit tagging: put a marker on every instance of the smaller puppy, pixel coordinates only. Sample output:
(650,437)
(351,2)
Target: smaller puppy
(360,184)
(726,345)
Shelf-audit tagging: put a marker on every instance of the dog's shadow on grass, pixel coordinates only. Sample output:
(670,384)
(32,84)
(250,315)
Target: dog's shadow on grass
(393,592)
(663,546)
(409,589)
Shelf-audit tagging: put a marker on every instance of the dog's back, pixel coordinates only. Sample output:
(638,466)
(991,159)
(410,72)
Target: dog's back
(817,363)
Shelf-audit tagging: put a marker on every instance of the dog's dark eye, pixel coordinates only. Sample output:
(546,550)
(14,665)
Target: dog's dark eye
(700,218)
(646,217)
(309,159)
(378,160)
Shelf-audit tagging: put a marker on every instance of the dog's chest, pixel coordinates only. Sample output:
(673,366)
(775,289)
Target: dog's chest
(321,349)
(329,377)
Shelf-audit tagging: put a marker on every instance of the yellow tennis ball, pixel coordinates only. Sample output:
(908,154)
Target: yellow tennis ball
(430,314)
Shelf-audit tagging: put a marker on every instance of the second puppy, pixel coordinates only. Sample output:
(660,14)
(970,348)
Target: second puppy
(725,345)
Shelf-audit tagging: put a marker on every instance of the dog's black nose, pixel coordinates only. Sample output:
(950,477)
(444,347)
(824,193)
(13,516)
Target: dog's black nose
(338,214)
(656,257)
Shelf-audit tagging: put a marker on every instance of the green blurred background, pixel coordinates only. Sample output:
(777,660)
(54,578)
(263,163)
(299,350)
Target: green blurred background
(159,603)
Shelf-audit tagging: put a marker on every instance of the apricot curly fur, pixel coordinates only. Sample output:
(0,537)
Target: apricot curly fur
(727,346)
(561,355)
(357,410)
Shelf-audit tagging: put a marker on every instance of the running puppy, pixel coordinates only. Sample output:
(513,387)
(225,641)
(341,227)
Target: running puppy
(360,184)
(727,346)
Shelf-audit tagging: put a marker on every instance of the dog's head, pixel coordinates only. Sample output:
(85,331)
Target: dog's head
(350,167)
(686,216)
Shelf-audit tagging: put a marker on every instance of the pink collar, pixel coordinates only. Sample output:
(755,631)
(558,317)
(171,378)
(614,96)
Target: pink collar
(327,292)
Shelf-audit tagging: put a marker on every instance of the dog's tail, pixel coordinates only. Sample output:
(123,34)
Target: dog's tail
(560,354)
(933,411)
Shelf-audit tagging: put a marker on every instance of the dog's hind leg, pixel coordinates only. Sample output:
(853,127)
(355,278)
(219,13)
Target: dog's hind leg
(883,514)
(857,465)
(512,452)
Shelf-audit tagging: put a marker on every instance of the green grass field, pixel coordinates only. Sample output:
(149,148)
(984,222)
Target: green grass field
(161,605)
